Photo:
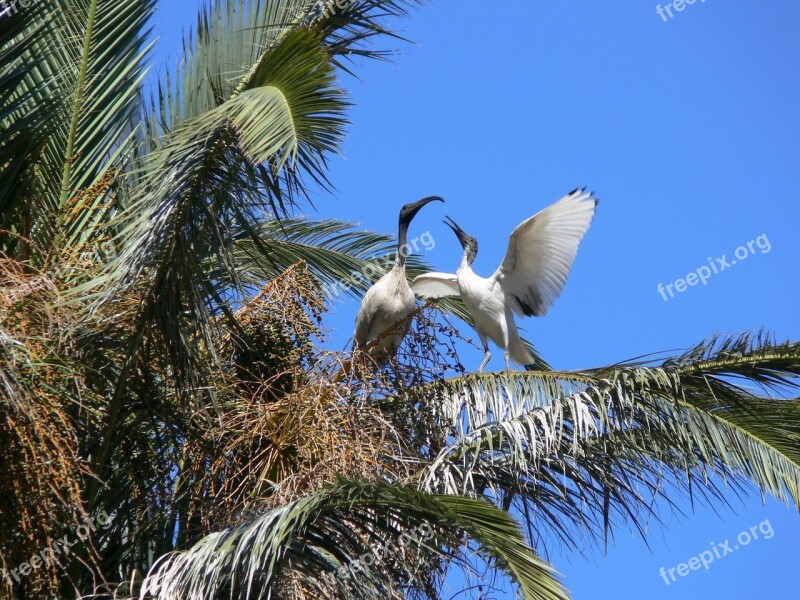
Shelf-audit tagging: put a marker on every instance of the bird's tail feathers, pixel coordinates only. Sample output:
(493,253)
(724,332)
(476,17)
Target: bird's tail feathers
(519,353)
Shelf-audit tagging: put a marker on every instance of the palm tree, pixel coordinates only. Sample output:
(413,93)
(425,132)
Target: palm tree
(573,454)
(162,306)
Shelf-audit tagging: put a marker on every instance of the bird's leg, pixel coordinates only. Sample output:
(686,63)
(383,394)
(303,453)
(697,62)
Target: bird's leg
(506,330)
(486,353)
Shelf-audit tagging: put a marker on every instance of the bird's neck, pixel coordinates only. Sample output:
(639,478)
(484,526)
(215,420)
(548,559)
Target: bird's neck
(466,262)
(402,248)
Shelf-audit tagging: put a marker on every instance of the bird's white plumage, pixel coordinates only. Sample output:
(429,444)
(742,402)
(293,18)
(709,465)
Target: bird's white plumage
(540,254)
(541,251)
(435,285)
(382,319)
(493,316)
(385,304)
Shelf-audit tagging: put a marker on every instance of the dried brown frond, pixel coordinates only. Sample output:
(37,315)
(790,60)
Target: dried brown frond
(86,199)
(279,443)
(41,470)
(277,332)
(289,424)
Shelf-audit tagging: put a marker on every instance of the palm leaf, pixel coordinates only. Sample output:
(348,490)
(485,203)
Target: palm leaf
(251,120)
(88,56)
(345,260)
(22,120)
(326,533)
(563,441)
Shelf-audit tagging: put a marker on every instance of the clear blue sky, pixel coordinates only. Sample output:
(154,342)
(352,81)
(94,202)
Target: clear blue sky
(687,130)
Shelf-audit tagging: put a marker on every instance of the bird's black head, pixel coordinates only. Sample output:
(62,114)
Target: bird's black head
(469,243)
(409,211)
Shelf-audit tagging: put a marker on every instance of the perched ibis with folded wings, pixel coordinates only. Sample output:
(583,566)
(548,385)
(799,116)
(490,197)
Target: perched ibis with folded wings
(390,300)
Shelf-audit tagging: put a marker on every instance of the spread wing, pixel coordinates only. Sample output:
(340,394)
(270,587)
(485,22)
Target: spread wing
(541,251)
(435,285)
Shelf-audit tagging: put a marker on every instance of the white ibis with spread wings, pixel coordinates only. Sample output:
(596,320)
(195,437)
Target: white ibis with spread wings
(540,254)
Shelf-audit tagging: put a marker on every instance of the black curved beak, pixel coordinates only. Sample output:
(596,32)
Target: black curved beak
(409,211)
(460,233)
(428,200)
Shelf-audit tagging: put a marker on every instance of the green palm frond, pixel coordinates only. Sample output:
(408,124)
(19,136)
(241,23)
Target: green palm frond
(348,27)
(319,539)
(253,112)
(196,195)
(197,187)
(344,259)
(20,117)
(104,114)
(627,433)
(85,63)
